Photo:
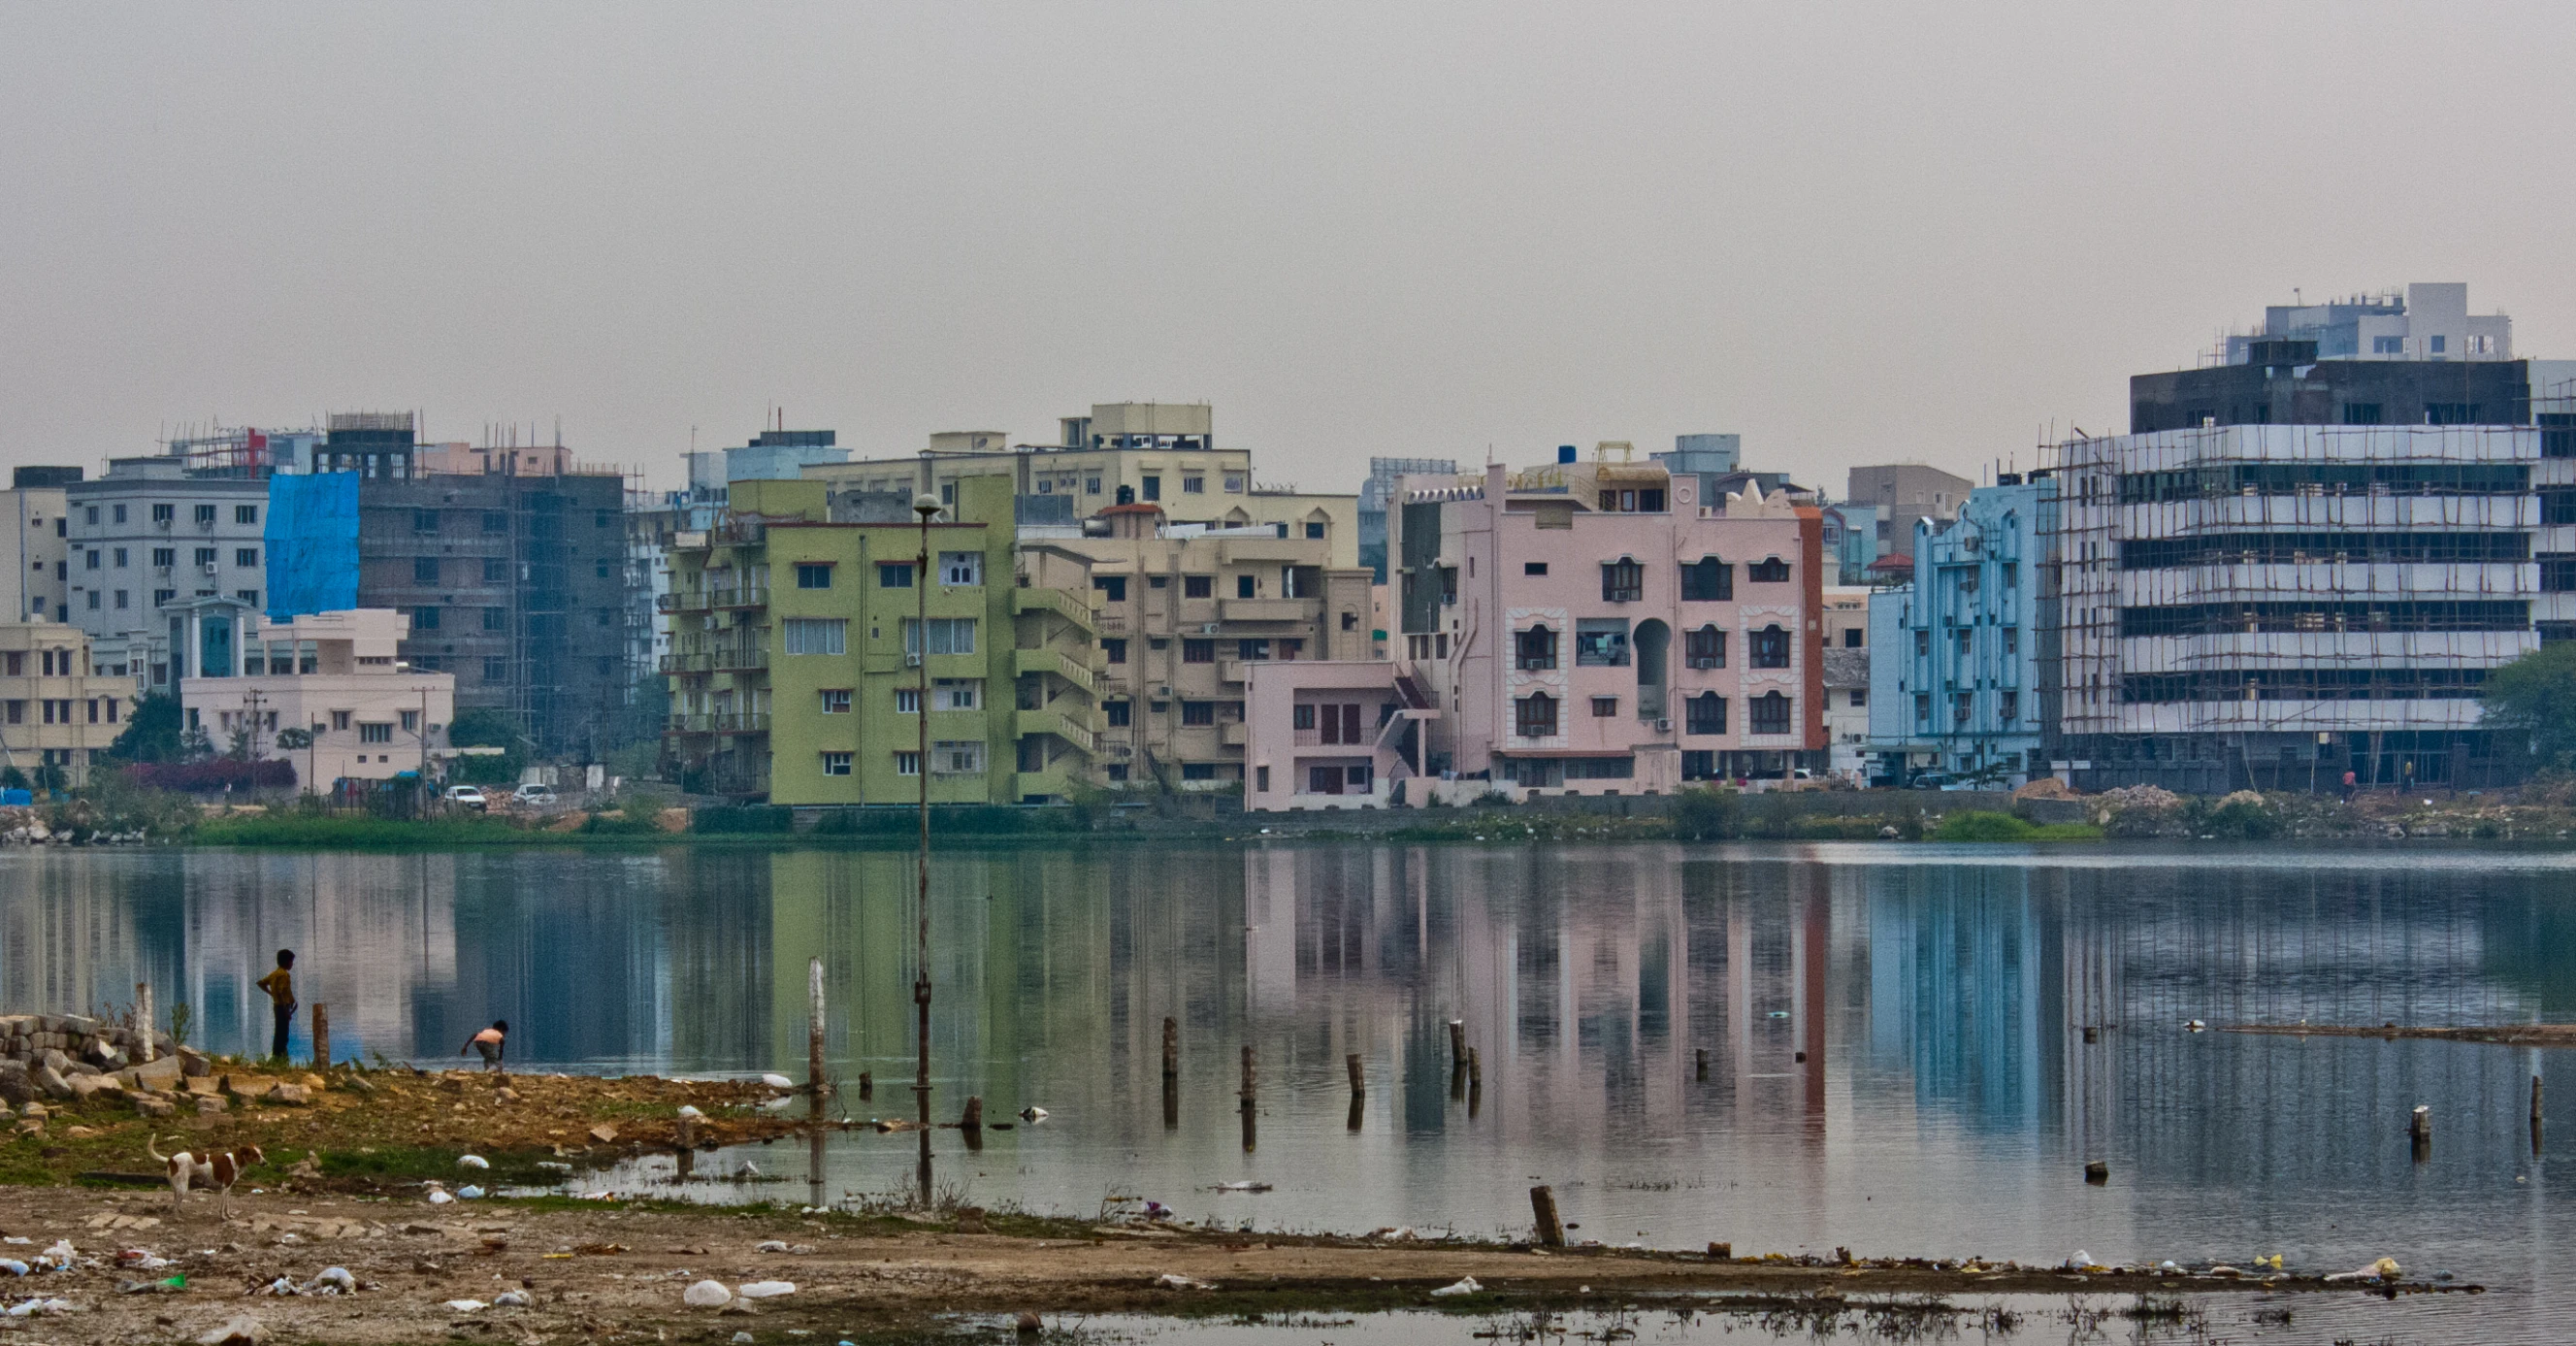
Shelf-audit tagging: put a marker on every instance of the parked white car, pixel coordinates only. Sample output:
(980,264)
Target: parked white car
(534,797)
(467,797)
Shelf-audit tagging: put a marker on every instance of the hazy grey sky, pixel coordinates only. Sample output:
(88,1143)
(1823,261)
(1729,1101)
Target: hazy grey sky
(1850,233)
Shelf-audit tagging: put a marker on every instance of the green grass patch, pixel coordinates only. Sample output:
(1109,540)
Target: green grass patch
(404,1163)
(1981,825)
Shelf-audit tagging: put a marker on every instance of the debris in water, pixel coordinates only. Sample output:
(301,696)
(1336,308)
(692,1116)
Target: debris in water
(472,1161)
(1463,1286)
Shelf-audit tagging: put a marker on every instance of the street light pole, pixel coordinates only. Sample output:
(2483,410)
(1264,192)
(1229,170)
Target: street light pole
(924,506)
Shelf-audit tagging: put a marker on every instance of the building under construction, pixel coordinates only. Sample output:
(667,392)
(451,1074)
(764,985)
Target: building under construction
(514,574)
(2272,606)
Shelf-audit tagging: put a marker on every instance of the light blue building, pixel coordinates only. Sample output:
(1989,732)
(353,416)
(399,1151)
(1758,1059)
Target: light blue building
(1957,655)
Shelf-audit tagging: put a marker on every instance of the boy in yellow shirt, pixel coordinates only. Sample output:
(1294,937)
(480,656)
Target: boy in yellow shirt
(280,986)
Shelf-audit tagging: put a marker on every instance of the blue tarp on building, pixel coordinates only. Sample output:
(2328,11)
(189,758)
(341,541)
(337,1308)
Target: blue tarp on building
(312,544)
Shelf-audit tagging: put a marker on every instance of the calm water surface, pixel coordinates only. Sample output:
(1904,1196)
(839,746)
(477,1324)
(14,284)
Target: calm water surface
(1896,1060)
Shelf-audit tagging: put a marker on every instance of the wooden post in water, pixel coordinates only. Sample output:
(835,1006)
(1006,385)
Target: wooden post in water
(1250,1077)
(2419,1133)
(143,1011)
(321,1036)
(1703,1065)
(1551,1232)
(1475,1083)
(971,1123)
(814,1085)
(867,1085)
(1171,1072)
(1359,1083)
(1457,1043)
(2535,1114)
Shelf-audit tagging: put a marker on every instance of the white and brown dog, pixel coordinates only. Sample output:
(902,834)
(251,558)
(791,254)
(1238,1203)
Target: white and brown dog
(218,1170)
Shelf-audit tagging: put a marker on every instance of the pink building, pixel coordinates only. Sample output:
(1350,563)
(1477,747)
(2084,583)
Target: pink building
(1331,734)
(1592,628)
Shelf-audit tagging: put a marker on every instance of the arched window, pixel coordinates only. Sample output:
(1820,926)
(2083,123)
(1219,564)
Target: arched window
(1771,570)
(1622,581)
(1771,648)
(1534,716)
(1534,649)
(1706,648)
(1708,580)
(1767,714)
(1704,714)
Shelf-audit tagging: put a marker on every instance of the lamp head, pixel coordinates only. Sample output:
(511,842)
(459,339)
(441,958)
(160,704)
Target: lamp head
(925,505)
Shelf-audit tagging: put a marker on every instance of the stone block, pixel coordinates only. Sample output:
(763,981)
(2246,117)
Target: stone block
(152,1106)
(249,1087)
(212,1103)
(52,1082)
(53,1058)
(292,1095)
(17,1087)
(204,1085)
(83,1085)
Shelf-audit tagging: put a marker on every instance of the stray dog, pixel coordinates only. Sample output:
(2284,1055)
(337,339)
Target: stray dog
(219,1171)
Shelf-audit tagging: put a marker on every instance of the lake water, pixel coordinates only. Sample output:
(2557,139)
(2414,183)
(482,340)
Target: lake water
(1896,1058)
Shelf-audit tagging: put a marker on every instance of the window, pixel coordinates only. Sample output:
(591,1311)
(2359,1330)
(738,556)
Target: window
(205,513)
(246,514)
(242,556)
(1158,581)
(1091,485)
(375,733)
(894,574)
(1255,651)
(205,556)
(1261,779)
(1923,642)
(411,721)
(163,513)
(1922,708)
(2012,640)
(1246,587)
(1600,642)
(495,521)
(1622,581)
(1194,485)
(495,668)
(1112,587)
(1198,586)
(964,757)
(2008,705)
(948,635)
(1534,716)
(1119,713)
(2387,345)
(1152,489)
(1704,714)
(1853,637)
(1301,717)
(1234,483)
(165,557)
(1770,648)
(1116,649)
(1314,532)
(1198,651)
(496,619)
(836,701)
(1198,771)
(89,516)
(956,694)
(2436,344)
(1705,648)
(1962,706)
(121,562)
(817,635)
(836,764)
(961,569)
(93,600)
(812,576)
(1605,707)
(1534,650)
(90,559)
(1769,714)
(424,570)
(2361,413)
(907,764)
(161,596)
(496,570)
(1770,571)
(120,599)
(1198,712)
(424,521)
(424,619)
(907,701)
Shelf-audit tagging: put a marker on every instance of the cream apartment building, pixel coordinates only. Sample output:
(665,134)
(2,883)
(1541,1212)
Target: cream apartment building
(334,675)
(55,710)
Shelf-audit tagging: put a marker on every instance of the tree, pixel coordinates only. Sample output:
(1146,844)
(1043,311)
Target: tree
(152,732)
(2534,699)
(485,728)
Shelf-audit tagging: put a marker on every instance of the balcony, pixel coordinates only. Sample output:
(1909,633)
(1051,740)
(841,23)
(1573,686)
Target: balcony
(682,600)
(739,659)
(692,724)
(1248,550)
(1058,723)
(742,722)
(686,664)
(748,596)
(1229,670)
(1233,733)
(1261,609)
(1073,607)
(1028,663)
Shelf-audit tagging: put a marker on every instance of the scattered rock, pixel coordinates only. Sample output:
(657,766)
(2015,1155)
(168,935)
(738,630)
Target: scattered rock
(50,1079)
(708,1294)
(605,1133)
(242,1331)
(292,1095)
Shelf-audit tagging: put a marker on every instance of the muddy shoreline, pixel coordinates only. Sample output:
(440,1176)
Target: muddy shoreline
(2501,1035)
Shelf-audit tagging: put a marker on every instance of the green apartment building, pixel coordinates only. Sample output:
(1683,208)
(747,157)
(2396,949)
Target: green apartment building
(800,647)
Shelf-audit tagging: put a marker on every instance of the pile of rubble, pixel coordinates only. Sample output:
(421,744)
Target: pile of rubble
(72,1056)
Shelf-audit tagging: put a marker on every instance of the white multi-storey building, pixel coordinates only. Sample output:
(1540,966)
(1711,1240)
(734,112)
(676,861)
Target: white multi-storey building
(152,533)
(2276,605)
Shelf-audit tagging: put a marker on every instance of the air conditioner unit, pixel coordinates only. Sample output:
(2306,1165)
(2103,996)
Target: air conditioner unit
(210,567)
(1210,628)
(1663,726)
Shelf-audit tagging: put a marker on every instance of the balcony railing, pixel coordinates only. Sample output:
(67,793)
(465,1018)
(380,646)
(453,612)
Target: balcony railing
(740,658)
(747,596)
(1073,607)
(1058,723)
(1025,663)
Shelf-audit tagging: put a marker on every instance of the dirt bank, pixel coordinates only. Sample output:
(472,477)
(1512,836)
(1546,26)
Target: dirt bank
(2504,1035)
(600,1272)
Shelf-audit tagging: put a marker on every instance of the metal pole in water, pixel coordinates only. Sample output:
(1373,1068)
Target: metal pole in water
(924,506)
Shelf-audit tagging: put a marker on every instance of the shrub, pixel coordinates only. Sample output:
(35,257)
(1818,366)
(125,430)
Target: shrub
(214,774)
(1979,825)
(748,818)
(1708,814)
